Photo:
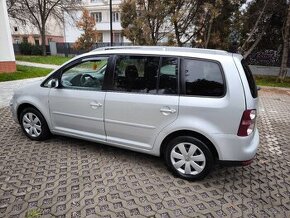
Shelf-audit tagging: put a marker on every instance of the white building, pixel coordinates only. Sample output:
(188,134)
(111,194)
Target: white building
(100,11)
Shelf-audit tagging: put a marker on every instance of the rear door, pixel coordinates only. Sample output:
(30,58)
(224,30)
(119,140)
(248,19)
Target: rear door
(142,101)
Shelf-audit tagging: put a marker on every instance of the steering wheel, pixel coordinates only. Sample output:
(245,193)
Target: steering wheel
(83,78)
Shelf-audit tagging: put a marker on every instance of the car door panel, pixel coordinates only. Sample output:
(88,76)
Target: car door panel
(136,119)
(71,111)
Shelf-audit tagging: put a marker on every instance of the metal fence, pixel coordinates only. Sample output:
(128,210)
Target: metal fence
(67,48)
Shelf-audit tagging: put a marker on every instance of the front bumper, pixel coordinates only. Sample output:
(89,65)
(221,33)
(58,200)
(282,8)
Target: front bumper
(13,109)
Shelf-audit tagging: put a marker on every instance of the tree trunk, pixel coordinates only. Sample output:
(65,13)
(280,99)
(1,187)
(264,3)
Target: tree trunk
(283,68)
(43,45)
(208,33)
(253,46)
(177,36)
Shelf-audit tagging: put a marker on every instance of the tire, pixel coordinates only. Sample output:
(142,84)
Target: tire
(188,158)
(33,124)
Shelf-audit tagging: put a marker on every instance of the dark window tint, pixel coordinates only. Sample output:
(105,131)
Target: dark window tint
(250,79)
(136,74)
(168,76)
(202,78)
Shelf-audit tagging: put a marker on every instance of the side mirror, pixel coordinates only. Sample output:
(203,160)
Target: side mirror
(53,83)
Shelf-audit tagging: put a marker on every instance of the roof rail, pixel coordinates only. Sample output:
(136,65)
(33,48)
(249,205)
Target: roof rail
(165,48)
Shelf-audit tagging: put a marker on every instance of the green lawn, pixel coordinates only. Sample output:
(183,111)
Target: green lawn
(271,81)
(24,72)
(57,60)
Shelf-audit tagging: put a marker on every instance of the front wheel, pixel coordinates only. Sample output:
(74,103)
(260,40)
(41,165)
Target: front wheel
(33,124)
(188,158)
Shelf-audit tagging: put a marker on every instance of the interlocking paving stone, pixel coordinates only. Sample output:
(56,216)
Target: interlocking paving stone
(65,177)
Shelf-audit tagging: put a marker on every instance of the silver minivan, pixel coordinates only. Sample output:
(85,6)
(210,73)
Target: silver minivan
(194,107)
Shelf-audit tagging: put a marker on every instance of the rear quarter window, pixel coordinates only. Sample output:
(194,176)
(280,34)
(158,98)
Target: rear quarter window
(202,78)
(250,79)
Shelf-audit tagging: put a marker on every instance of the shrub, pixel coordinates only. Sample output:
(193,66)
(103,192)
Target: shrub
(36,50)
(25,48)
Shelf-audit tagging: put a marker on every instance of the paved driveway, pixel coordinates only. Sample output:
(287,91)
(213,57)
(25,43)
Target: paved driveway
(74,178)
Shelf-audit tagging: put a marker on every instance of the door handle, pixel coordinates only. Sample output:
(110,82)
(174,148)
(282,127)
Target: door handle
(167,110)
(95,105)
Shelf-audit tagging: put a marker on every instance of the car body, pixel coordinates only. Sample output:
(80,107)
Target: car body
(175,102)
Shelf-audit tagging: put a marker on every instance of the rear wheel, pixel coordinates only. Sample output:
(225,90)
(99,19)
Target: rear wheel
(33,124)
(188,158)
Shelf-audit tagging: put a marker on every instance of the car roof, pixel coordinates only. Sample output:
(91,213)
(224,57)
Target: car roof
(161,49)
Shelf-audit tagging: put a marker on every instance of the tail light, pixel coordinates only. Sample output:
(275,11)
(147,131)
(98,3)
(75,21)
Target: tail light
(247,124)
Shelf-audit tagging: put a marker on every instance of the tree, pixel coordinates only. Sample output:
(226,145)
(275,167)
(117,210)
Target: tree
(143,20)
(221,24)
(286,29)
(187,19)
(264,13)
(38,12)
(89,36)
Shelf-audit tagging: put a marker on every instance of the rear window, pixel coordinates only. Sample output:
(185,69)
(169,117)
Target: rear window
(250,78)
(202,78)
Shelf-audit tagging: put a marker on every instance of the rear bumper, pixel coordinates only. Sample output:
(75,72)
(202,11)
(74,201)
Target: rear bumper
(236,149)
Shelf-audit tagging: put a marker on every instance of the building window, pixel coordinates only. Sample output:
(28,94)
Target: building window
(16,40)
(116,16)
(97,16)
(100,37)
(15,29)
(25,39)
(36,41)
(117,37)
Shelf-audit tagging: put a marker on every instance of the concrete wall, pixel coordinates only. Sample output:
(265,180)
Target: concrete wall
(266,70)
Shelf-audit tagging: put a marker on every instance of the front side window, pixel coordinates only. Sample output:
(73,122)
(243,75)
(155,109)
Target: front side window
(88,75)
(202,78)
(136,74)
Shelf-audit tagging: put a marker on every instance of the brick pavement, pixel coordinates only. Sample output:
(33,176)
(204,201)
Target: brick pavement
(66,177)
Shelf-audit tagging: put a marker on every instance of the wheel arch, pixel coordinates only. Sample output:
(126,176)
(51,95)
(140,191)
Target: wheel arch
(22,106)
(189,133)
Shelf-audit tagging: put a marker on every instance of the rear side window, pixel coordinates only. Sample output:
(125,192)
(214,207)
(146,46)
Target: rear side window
(250,78)
(202,78)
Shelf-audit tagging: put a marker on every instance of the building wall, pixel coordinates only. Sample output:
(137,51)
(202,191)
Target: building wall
(21,32)
(103,27)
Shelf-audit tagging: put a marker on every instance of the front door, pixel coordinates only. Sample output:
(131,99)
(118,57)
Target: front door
(143,100)
(77,105)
